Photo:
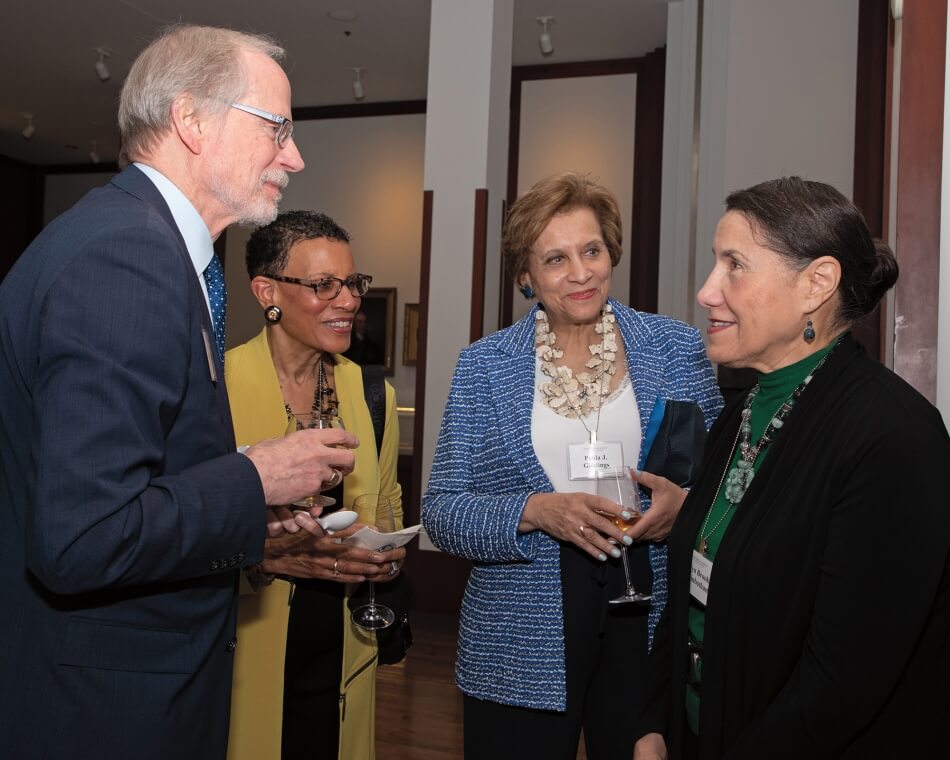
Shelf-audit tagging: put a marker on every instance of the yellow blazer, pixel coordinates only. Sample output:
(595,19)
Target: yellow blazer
(257,408)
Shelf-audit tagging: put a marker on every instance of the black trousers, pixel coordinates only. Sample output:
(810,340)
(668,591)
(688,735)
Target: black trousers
(312,671)
(606,654)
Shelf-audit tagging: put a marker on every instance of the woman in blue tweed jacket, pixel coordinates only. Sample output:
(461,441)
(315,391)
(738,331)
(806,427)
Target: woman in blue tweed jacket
(540,654)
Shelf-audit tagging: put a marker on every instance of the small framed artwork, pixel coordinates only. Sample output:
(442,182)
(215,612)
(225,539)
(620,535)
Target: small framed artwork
(410,341)
(373,340)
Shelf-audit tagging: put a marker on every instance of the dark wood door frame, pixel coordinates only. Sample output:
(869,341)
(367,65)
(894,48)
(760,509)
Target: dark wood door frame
(920,159)
(871,117)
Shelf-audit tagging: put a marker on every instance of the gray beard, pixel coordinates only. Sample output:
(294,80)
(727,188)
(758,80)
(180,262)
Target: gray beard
(255,212)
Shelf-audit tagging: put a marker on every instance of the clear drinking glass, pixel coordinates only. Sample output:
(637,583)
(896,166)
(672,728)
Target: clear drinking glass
(306,421)
(618,486)
(374,509)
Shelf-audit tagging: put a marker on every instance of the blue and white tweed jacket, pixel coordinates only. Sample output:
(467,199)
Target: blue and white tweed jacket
(511,632)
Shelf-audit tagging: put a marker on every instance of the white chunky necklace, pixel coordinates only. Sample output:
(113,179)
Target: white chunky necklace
(569,396)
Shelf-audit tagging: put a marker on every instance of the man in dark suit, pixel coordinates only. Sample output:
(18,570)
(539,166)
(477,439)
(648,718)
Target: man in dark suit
(125,512)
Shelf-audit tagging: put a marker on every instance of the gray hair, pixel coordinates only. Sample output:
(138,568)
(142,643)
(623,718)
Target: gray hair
(200,60)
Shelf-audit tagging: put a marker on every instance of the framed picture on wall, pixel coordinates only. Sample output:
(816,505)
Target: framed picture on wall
(410,341)
(373,339)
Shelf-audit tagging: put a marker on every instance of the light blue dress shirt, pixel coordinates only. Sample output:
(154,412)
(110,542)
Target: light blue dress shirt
(192,227)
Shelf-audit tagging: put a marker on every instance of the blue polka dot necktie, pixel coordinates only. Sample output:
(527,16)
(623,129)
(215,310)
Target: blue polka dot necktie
(218,298)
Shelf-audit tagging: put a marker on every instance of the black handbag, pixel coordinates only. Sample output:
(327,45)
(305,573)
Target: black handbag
(676,450)
(393,642)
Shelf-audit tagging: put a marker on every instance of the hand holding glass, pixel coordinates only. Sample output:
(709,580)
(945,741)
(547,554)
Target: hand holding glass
(374,509)
(618,486)
(307,421)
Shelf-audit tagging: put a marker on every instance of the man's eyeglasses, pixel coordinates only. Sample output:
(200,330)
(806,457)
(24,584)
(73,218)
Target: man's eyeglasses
(285,127)
(329,288)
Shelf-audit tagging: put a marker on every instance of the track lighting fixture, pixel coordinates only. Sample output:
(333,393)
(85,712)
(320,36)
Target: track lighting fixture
(544,39)
(102,71)
(93,153)
(29,130)
(358,93)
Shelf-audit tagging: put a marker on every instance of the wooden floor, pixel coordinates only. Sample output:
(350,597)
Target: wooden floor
(418,707)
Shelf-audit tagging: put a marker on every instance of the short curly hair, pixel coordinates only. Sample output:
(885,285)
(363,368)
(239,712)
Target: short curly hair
(558,194)
(269,246)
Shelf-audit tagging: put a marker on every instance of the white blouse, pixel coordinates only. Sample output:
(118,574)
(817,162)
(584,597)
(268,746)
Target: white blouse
(551,433)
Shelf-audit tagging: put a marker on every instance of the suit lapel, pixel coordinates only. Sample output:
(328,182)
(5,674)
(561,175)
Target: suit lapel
(644,365)
(511,378)
(134,182)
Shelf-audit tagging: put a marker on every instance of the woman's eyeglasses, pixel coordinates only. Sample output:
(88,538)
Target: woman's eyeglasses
(328,288)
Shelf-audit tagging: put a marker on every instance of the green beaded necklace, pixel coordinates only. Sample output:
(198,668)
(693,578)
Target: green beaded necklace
(740,476)
(737,478)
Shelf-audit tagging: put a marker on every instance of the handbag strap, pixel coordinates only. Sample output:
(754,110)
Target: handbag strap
(374,388)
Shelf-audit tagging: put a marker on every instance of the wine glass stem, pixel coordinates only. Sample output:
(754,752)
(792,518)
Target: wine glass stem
(626,571)
(372,595)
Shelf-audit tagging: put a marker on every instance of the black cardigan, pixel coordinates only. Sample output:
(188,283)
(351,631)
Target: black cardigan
(829,604)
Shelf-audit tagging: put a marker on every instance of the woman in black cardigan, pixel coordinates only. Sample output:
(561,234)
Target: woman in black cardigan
(809,607)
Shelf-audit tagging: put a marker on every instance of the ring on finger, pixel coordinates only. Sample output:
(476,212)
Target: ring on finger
(581,529)
(395,568)
(336,569)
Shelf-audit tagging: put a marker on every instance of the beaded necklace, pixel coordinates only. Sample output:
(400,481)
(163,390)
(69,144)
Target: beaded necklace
(738,477)
(569,396)
(324,398)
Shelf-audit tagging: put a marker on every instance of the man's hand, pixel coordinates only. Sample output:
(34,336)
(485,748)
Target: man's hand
(303,463)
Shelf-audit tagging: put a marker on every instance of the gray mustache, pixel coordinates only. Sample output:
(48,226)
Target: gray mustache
(278,178)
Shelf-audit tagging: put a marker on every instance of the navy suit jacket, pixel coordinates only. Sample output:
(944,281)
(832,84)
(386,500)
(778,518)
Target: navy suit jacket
(124,511)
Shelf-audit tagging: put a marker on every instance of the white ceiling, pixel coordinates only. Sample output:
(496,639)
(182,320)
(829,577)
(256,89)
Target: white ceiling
(46,52)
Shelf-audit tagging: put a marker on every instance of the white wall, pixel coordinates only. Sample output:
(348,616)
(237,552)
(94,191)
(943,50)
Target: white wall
(467,109)
(676,281)
(366,173)
(777,96)
(584,124)
(792,77)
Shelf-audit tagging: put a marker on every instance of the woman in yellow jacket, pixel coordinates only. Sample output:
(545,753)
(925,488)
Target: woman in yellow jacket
(316,697)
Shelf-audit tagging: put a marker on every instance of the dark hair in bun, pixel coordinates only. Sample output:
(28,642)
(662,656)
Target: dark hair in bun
(803,220)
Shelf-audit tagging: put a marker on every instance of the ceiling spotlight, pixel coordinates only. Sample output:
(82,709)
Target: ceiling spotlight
(544,39)
(358,93)
(102,71)
(93,153)
(29,130)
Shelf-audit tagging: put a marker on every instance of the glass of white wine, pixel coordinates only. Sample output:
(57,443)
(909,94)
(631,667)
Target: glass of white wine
(307,421)
(618,486)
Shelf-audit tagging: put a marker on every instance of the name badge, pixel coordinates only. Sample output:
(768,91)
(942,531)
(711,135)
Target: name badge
(212,364)
(699,577)
(585,460)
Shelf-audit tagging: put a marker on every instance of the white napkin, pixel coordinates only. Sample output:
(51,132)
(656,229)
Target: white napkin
(367,538)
